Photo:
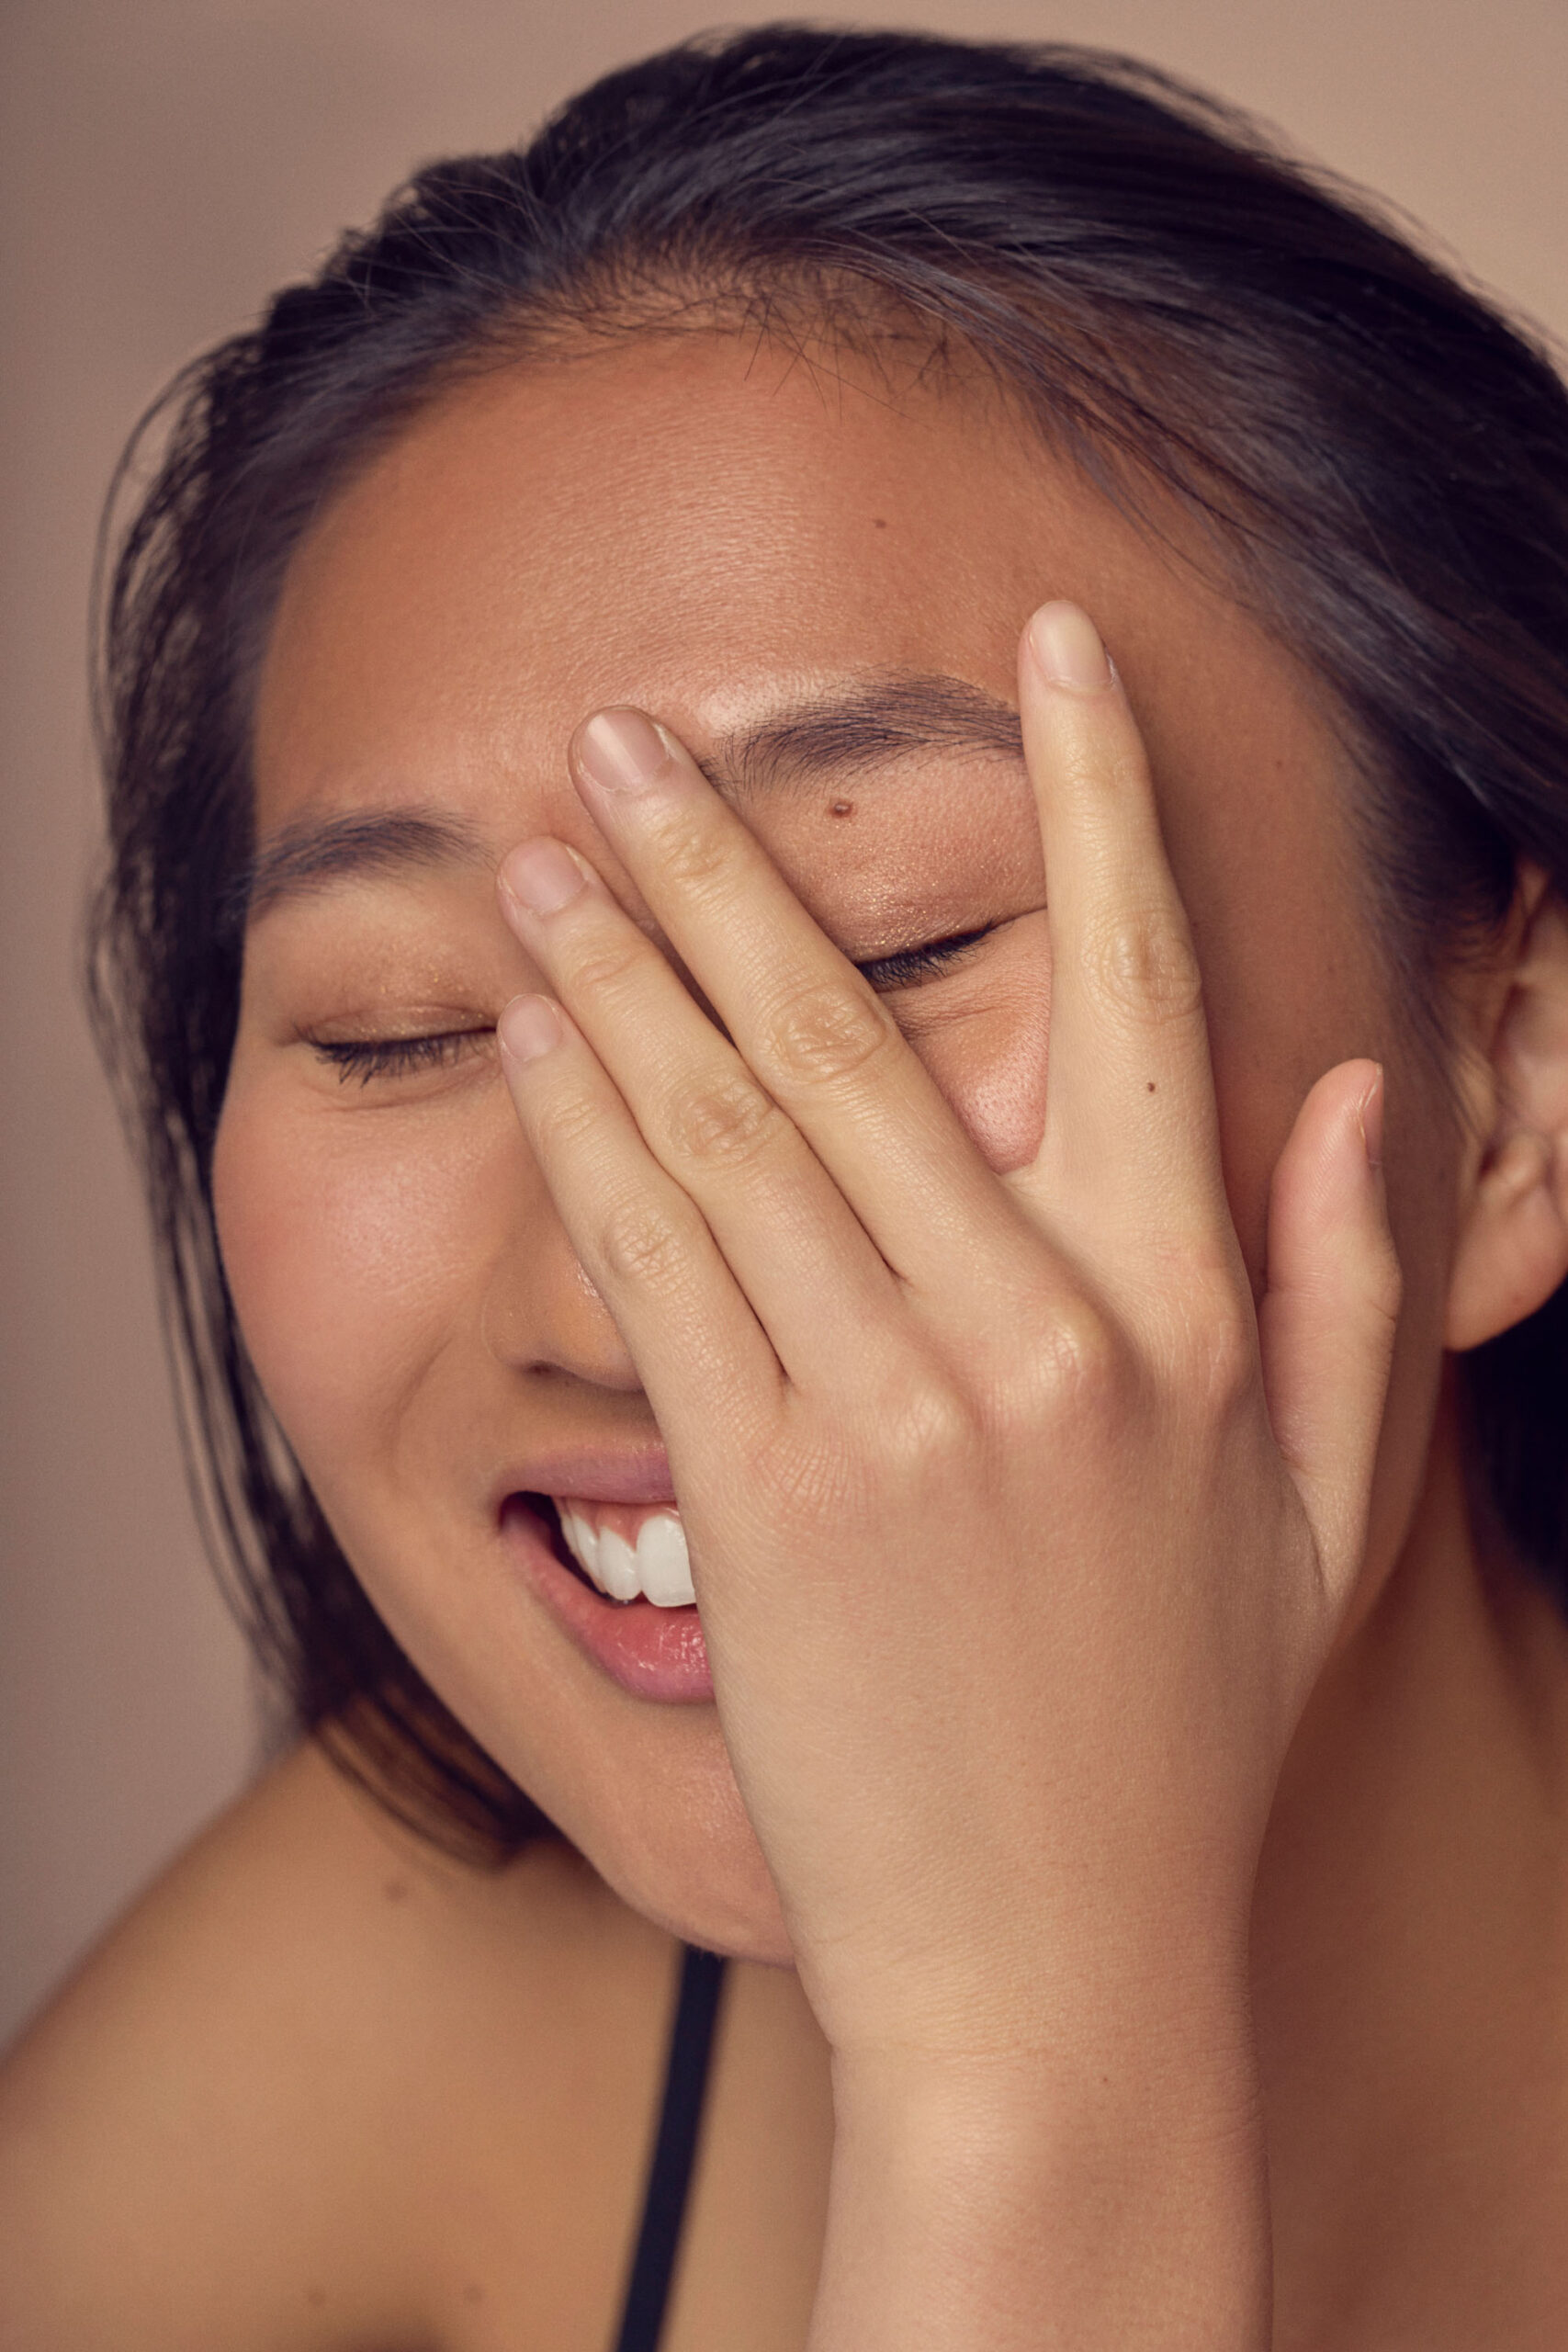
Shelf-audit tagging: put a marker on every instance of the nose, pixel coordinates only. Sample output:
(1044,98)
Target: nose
(542,1314)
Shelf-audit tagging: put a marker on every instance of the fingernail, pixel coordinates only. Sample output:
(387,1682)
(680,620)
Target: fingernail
(1066,645)
(1372,1121)
(621,751)
(529,1027)
(543,876)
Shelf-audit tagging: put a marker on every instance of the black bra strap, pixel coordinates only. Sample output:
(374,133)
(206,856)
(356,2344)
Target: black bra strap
(670,2173)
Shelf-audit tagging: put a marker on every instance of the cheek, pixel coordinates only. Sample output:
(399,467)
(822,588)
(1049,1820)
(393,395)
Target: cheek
(353,1243)
(990,1063)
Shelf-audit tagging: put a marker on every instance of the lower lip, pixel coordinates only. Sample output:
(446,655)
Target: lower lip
(653,1653)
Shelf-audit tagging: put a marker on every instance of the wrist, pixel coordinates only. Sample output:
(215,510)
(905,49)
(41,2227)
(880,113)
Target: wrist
(1109,2189)
(1150,1992)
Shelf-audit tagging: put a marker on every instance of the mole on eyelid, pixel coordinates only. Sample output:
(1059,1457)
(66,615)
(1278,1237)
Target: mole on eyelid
(841,808)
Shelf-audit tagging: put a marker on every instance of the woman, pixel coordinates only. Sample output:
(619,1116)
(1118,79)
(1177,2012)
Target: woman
(1118,1735)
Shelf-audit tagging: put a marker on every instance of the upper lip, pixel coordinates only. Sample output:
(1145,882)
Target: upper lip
(598,1474)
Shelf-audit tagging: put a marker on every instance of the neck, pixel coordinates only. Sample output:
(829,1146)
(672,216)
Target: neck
(1409,1938)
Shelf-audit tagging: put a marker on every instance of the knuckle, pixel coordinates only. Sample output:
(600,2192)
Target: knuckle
(822,1035)
(1076,1369)
(1202,1332)
(640,1246)
(564,1126)
(1224,1345)
(923,1423)
(723,1121)
(903,1434)
(827,1478)
(605,967)
(1143,962)
(694,857)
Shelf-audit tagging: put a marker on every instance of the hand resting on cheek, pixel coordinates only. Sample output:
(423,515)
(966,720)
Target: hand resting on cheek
(1019,1536)
(826,1377)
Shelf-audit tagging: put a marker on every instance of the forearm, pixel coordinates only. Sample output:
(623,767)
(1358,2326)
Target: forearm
(1112,2203)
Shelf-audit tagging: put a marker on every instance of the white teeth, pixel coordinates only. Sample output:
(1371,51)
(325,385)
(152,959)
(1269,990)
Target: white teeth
(582,1542)
(617,1566)
(658,1569)
(664,1563)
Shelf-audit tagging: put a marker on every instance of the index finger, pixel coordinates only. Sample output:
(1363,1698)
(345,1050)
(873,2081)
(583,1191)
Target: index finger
(1129,1105)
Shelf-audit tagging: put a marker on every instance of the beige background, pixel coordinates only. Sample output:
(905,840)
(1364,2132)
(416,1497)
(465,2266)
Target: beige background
(166,163)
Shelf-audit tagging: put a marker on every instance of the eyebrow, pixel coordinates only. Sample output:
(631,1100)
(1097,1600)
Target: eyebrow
(840,737)
(856,733)
(318,851)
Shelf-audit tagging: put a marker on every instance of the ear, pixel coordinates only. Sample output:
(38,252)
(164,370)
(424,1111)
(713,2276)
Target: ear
(1512,1250)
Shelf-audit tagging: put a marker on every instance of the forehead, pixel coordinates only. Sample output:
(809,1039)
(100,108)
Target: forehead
(706,525)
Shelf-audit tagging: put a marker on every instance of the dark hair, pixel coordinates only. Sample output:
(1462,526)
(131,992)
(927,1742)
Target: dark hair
(1382,460)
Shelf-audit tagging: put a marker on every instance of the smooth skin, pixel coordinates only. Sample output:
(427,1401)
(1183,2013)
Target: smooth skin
(1022,1922)
(1017,1577)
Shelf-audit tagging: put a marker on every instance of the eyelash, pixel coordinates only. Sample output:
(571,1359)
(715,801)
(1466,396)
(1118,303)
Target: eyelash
(915,963)
(368,1058)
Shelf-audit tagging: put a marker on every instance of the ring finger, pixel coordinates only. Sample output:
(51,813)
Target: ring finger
(802,1257)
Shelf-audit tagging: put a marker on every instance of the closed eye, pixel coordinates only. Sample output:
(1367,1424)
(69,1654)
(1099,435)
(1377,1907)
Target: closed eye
(914,964)
(365,1058)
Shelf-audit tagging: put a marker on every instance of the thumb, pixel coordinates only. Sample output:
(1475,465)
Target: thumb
(1327,1320)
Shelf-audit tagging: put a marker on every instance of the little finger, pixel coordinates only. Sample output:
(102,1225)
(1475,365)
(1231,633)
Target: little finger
(700,1351)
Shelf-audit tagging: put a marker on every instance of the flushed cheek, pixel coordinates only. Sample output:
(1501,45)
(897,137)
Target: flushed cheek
(355,1252)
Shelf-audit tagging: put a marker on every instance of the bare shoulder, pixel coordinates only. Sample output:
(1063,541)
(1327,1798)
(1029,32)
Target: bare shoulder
(321,2086)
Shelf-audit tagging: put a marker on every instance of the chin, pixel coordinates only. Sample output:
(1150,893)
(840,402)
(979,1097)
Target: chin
(728,1912)
(644,1791)
(687,1858)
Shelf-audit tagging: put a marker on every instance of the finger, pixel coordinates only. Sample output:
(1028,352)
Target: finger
(803,1260)
(1328,1321)
(700,1353)
(1130,1122)
(818,1038)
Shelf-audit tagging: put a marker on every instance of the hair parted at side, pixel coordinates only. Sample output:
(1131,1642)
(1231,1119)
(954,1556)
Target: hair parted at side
(1381,457)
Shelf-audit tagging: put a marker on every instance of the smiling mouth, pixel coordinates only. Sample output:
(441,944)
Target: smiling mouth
(620,1552)
(652,1642)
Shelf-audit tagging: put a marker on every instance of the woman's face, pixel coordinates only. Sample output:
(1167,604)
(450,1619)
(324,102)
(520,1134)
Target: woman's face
(818,584)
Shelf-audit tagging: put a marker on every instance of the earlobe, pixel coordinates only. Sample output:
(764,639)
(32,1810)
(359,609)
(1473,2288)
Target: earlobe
(1512,1250)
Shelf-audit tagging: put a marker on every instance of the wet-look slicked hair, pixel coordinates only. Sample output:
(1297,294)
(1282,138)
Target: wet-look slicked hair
(1376,458)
